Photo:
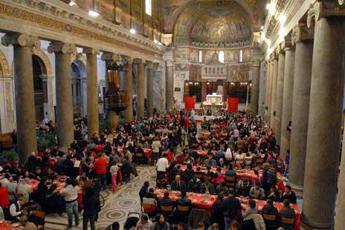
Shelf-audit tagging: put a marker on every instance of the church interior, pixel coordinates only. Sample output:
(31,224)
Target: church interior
(172,114)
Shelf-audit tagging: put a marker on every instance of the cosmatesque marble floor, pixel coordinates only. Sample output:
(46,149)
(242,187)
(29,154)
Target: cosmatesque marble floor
(117,205)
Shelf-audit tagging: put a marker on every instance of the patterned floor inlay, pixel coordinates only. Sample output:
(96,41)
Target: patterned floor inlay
(117,205)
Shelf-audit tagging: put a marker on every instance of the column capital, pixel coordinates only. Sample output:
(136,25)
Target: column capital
(107,56)
(24,40)
(138,61)
(149,64)
(301,33)
(61,47)
(325,8)
(288,42)
(127,60)
(93,51)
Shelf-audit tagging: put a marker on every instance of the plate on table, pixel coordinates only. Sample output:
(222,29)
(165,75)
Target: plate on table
(15,225)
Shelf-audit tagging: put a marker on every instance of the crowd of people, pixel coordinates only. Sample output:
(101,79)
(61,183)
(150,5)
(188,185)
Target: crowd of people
(57,180)
(219,152)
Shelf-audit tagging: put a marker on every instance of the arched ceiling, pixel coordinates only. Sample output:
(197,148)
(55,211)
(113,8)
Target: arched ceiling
(213,23)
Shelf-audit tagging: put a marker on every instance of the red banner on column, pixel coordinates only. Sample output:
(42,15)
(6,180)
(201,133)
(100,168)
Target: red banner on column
(189,103)
(233,104)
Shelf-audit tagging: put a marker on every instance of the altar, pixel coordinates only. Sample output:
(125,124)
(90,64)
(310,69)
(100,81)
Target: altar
(213,101)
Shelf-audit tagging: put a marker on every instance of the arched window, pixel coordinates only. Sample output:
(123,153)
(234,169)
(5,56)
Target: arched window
(221,56)
(148,7)
(200,56)
(241,56)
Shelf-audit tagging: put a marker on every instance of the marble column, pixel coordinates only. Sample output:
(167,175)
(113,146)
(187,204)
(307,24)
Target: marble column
(64,106)
(262,87)
(169,85)
(141,90)
(92,90)
(254,97)
(325,114)
(268,90)
(340,207)
(300,108)
(24,91)
(287,98)
(279,94)
(110,58)
(273,95)
(128,113)
(150,78)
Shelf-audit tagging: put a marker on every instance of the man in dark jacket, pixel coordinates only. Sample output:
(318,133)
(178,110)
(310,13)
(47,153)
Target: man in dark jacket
(287,216)
(183,207)
(91,206)
(232,210)
(178,184)
(270,215)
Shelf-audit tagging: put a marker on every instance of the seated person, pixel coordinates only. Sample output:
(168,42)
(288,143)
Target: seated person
(210,161)
(256,192)
(145,223)
(149,203)
(287,216)
(220,178)
(270,214)
(273,194)
(243,188)
(165,205)
(252,216)
(188,173)
(251,209)
(289,195)
(178,184)
(161,223)
(183,207)
(194,185)
(207,187)
(16,210)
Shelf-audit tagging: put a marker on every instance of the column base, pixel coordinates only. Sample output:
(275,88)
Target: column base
(316,226)
(297,189)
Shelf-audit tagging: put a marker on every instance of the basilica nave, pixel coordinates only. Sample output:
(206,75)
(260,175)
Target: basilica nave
(86,81)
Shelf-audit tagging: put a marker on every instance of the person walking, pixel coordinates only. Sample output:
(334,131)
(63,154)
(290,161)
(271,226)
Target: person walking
(70,195)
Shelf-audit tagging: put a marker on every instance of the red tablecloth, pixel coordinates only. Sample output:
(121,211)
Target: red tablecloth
(59,186)
(204,201)
(249,175)
(201,152)
(261,203)
(6,225)
(148,153)
(241,174)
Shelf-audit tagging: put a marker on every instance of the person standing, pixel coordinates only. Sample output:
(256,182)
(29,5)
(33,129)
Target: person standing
(100,168)
(70,195)
(91,207)
(162,166)
(114,169)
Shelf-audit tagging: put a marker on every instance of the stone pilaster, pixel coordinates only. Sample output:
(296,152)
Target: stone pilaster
(23,45)
(92,90)
(279,93)
(141,90)
(129,88)
(150,93)
(64,106)
(340,207)
(254,98)
(302,37)
(169,85)
(273,93)
(112,117)
(325,114)
(268,90)
(287,96)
